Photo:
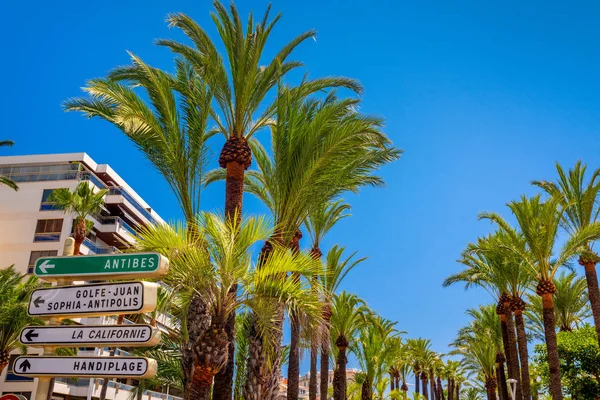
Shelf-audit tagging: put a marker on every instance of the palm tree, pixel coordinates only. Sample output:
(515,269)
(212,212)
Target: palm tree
(241,83)
(539,222)
(488,267)
(570,305)
(418,349)
(224,261)
(15,291)
(83,202)
(475,344)
(6,181)
(579,202)
(349,314)
(170,129)
(373,348)
(320,220)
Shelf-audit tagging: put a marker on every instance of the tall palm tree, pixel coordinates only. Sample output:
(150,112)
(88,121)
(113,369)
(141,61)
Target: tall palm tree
(83,202)
(579,201)
(15,291)
(571,305)
(171,129)
(224,261)
(373,348)
(488,267)
(476,345)
(241,82)
(349,314)
(418,348)
(320,220)
(539,222)
(321,148)
(6,181)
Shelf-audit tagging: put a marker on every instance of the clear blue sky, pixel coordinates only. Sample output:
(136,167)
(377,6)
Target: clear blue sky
(483,98)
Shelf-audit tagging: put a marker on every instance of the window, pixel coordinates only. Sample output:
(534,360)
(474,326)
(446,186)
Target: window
(48,230)
(37,254)
(10,376)
(47,205)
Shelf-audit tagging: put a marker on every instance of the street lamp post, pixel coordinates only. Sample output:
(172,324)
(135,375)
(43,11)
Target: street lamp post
(512,387)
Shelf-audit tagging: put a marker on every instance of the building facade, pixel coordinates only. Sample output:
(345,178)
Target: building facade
(305,381)
(31,226)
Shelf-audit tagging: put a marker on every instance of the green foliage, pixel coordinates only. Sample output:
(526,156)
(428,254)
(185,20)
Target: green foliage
(579,362)
(83,201)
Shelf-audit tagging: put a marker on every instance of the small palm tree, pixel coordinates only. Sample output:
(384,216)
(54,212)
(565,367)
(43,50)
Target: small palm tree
(579,202)
(83,202)
(223,260)
(418,349)
(15,291)
(3,179)
(539,222)
(349,314)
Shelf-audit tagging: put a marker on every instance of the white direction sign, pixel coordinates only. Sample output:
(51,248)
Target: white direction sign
(94,300)
(90,335)
(123,367)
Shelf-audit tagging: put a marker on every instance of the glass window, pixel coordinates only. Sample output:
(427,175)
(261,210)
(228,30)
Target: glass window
(33,257)
(10,376)
(46,204)
(48,230)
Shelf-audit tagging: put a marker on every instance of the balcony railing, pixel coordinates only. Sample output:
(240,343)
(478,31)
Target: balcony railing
(112,220)
(100,249)
(118,190)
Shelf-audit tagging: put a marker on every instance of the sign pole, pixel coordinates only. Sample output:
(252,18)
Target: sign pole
(45,386)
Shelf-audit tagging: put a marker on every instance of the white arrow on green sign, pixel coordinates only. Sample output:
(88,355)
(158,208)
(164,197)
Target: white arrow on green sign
(103,266)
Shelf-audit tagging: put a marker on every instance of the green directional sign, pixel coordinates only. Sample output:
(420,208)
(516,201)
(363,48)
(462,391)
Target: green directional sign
(105,266)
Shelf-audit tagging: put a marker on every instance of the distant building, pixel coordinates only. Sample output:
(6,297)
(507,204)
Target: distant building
(32,227)
(304,383)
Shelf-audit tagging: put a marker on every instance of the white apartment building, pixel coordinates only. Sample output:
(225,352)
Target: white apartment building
(32,227)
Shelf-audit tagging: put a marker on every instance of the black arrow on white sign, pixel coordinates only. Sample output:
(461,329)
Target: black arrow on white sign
(30,335)
(25,366)
(38,301)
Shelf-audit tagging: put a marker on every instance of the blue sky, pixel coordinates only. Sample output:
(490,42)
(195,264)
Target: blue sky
(482,98)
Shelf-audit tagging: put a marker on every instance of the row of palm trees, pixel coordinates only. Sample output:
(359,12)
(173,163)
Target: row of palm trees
(519,267)
(320,147)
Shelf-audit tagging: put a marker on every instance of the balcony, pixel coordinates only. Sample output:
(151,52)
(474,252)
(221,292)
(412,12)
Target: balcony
(119,196)
(95,249)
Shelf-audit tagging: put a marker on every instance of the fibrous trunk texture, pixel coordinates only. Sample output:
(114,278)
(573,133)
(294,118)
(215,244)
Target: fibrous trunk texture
(518,306)
(591,278)
(198,321)
(339,373)
(424,384)
(552,346)
(79,234)
(490,387)
(312,382)
(200,386)
(235,157)
(294,360)
(324,383)
(501,376)
(366,392)
(514,371)
(417,380)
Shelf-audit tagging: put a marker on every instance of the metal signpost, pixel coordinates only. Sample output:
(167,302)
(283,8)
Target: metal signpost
(91,300)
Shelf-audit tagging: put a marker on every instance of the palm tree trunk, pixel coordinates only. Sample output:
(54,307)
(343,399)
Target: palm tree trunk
(236,160)
(366,392)
(293,389)
(339,373)
(432,391)
(513,368)
(450,389)
(312,382)
(198,321)
(501,377)
(324,384)
(392,382)
(424,385)
(490,387)
(200,386)
(523,355)
(417,380)
(79,234)
(440,388)
(458,391)
(552,346)
(593,292)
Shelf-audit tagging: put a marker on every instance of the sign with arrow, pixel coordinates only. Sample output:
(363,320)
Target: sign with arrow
(90,335)
(102,266)
(121,367)
(94,300)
